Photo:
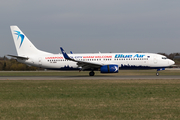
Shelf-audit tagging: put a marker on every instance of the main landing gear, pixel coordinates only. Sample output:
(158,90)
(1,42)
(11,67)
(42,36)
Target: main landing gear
(91,73)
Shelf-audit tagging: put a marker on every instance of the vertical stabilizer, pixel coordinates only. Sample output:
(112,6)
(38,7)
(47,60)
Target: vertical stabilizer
(23,45)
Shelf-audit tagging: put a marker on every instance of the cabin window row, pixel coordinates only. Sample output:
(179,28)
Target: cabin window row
(100,59)
(95,59)
(78,59)
(56,60)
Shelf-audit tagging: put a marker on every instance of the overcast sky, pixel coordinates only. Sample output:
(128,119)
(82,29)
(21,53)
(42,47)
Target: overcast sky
(93,25)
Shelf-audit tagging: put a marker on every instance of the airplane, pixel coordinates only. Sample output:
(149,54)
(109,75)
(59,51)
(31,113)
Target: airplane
(28,54)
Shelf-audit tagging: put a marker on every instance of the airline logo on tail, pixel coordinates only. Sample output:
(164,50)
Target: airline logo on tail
(19,35)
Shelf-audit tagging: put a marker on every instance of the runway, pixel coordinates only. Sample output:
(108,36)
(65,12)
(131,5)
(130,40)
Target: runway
(89,78)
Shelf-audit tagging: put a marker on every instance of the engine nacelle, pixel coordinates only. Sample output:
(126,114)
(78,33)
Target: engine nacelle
(109,69)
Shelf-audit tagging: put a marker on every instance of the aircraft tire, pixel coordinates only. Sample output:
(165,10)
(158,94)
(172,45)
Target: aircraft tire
(91,73)
(157,74)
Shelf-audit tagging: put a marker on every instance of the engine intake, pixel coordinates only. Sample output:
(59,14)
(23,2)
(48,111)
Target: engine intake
(109,69)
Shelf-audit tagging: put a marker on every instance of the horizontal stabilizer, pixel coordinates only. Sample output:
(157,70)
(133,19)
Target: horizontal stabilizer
(20,57)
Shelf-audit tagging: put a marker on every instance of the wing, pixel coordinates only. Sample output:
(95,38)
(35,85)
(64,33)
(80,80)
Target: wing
(84,64)
(18,57)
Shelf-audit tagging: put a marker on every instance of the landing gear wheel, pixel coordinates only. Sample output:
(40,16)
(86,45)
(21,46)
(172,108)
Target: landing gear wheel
(157,74)
(91,73)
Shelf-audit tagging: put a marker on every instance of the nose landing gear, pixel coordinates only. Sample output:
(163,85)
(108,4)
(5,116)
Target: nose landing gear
(157,74)
(160,69)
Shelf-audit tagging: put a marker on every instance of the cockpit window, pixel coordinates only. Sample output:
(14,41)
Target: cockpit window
(164,57)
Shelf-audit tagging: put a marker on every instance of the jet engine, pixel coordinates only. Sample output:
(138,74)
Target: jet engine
(109,69)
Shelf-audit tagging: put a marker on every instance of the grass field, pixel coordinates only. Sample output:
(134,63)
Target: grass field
(90,99)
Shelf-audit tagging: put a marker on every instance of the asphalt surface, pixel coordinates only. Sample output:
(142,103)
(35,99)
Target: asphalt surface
(88,77)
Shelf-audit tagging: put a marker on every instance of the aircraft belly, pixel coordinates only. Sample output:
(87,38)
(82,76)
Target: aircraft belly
(61,66)
(134,65)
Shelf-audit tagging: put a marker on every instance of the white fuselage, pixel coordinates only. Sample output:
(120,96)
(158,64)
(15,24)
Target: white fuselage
(123,60)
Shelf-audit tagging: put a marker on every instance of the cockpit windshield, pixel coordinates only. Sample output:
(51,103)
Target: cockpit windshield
(164,58)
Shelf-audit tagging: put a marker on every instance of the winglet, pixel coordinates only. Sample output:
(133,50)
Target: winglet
(65,54)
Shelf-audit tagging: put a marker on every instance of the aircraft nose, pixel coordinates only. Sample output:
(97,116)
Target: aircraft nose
(171,62)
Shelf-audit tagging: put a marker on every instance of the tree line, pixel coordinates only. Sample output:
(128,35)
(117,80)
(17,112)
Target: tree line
(11,64)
